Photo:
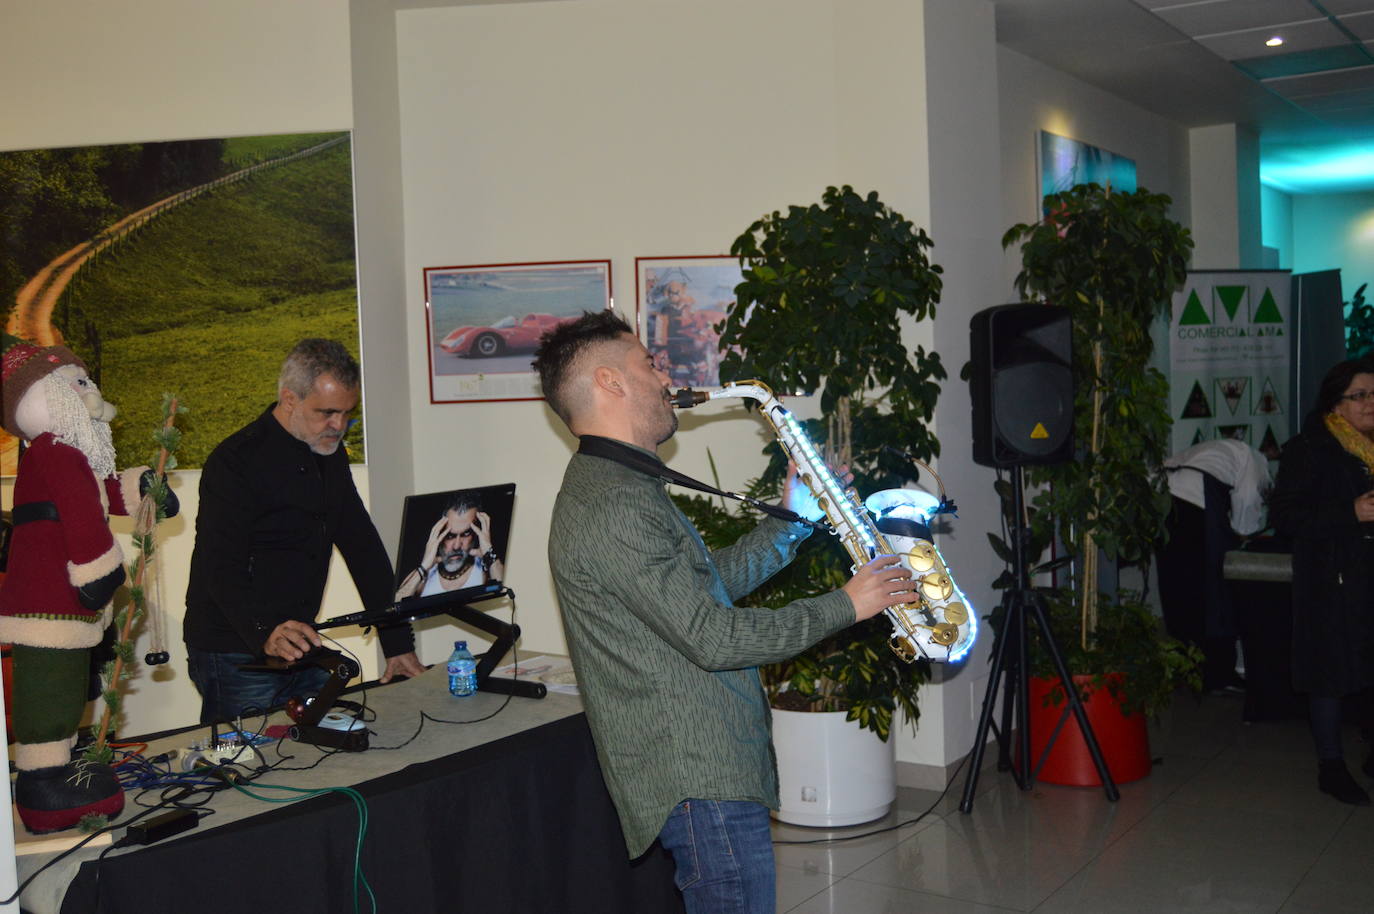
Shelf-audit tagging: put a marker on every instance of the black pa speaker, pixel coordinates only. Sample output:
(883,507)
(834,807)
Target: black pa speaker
(1021,385)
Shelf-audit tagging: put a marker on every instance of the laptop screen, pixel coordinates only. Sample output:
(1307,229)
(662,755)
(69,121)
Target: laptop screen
(453,542)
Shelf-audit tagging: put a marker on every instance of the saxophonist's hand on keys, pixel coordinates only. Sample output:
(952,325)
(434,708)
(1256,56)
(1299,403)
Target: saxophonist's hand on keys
(797,497)
(881,583)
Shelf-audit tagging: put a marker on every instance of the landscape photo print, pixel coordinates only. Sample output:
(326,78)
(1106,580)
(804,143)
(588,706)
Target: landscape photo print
(188,266)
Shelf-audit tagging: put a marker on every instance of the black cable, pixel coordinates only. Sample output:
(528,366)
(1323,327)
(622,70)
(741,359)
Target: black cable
(80,844)
(283,758)
(254,774)
(407,742)
(515,660)
(362,688)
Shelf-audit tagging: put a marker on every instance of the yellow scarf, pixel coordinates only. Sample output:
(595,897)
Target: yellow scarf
(1354,443)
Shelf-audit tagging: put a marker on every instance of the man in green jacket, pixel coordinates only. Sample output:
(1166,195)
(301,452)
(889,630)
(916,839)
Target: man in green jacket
(667,664)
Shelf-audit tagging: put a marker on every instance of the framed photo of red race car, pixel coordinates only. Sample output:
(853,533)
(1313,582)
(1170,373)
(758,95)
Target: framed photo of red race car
(484,323)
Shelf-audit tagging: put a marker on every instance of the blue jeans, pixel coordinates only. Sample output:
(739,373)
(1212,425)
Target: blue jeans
(226,692)
(724,856)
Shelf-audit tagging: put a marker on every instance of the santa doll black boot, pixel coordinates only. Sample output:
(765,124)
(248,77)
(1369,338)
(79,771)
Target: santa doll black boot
(59,797)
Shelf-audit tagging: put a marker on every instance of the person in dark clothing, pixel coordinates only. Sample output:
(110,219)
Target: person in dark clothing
(1217,490)
(1324,499)
(276,498)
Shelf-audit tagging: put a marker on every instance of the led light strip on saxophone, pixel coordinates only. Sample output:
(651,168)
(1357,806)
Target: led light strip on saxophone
(833,490)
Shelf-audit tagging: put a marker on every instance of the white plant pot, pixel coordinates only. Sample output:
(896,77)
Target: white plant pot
(831,771)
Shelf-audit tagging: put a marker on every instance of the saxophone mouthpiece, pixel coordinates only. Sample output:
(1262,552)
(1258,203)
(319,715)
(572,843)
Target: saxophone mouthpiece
(686,398)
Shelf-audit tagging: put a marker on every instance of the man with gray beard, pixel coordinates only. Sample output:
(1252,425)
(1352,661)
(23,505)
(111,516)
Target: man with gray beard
(276,499)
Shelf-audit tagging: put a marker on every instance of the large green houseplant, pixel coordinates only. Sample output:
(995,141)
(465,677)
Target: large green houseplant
(1113,259)
(818,311)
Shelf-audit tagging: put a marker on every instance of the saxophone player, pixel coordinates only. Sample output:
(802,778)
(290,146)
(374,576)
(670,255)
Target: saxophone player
(666,663)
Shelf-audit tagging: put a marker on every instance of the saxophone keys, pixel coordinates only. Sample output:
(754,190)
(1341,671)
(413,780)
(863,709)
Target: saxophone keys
(956,613)
(902,648)
(921,558)
(937,587)
(944,634)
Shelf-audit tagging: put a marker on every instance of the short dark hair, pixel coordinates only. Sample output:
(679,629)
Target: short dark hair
(560,348)
(1337,381)
(313,357)
(463,501)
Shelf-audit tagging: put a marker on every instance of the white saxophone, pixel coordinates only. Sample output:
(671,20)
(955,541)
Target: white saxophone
(939,625)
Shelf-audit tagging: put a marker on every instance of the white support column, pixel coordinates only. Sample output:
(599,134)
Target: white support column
(964,156)
(1225,192)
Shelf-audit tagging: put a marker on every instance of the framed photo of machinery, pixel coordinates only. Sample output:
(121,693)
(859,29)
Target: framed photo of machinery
(1065,163)
(483,323)
(680,302)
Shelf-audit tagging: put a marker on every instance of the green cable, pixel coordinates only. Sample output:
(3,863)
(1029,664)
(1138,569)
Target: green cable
(359,803)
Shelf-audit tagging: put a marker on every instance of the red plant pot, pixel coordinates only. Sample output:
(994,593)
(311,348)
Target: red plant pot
(1124,740)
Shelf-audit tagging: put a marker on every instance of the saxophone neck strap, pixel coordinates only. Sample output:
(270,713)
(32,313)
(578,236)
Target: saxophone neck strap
(637,460)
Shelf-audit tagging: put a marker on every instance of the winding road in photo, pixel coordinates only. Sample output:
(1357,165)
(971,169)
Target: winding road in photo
(31,318)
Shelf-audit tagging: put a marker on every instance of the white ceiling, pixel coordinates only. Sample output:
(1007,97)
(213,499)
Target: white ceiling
(1205,62)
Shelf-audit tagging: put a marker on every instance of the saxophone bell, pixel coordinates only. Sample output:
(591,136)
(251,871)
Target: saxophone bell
(686,398)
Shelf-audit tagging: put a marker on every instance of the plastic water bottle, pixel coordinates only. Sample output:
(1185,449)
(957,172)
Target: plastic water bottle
(462,671)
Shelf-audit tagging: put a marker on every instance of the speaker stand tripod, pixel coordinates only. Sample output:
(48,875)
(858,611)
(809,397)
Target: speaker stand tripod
(1013,674)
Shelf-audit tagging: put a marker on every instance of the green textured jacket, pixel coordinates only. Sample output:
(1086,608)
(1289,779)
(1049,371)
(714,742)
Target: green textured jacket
(666,663)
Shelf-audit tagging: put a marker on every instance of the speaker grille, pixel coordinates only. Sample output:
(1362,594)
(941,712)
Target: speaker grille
(1021,385)
(1032,409)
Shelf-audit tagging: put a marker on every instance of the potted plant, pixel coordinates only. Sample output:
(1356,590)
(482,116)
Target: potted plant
(818,312)
(1112,259)
(1359,325)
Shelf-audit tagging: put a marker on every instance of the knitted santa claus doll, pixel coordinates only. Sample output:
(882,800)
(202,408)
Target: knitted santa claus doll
(64,567)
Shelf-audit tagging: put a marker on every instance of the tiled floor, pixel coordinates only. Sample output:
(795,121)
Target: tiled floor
(1230,820)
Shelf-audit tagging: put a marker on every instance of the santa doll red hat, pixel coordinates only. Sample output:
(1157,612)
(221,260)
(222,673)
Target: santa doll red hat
(64,566)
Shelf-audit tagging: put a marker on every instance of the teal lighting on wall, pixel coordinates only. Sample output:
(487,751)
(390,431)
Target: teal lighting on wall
(1336,168)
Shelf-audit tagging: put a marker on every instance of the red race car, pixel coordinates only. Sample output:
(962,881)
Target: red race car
(506,335)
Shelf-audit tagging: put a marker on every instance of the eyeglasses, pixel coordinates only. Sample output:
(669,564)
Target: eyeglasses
(1358,396)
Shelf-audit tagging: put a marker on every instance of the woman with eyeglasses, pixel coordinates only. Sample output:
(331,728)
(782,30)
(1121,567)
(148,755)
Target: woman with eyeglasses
(1324,500)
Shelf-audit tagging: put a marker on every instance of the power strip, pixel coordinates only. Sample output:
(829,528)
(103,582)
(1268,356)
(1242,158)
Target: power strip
(221,754)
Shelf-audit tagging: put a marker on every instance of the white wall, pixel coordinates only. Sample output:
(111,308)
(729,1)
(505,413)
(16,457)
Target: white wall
(1227,198)
(1248,217)
(1276,208)
(616,129)
(1033,97)
(587,129)
(1336,231)
(79,73)
(966,225)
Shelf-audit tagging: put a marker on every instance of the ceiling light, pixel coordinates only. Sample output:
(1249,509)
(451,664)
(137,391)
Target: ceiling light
(1275,41)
